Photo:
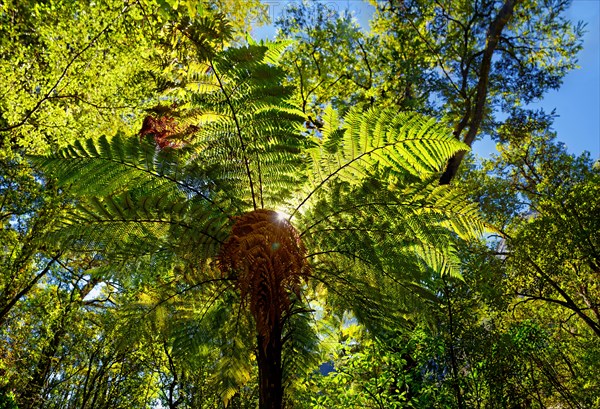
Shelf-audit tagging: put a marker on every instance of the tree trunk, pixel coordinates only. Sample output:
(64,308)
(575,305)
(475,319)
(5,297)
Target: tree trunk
(270,371)
(453,361)
(32,396)
(474,121)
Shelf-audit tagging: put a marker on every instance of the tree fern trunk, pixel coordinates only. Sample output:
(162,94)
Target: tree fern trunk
(268,260)
(270,371)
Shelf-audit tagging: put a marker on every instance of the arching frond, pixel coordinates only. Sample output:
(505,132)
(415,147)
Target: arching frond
(300,343)
(246,135)
(131,191)
(406,146)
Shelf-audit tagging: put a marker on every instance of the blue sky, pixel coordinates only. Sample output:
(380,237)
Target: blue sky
(577,102)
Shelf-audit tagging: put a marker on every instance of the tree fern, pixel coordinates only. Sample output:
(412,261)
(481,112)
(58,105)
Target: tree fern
(360,196)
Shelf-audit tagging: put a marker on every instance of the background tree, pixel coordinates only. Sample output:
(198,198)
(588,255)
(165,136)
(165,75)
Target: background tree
(541,196)
(463,62)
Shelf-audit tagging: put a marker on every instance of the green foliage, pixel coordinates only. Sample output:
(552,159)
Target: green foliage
(111,293)
(73,83)
(460,61)
(399,372)
(331,60)
(544,266)
(7,400)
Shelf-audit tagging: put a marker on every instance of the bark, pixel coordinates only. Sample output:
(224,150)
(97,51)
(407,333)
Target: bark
(476,117)
(32,396)
(270,371)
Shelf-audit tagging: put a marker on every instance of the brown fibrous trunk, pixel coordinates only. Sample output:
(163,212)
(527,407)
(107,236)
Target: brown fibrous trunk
(266,258)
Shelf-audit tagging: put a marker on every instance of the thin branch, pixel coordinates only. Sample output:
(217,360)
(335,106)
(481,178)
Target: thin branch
(27,288)
(439,61)
(64,73)
(570,304)
(304,99)
(366,59)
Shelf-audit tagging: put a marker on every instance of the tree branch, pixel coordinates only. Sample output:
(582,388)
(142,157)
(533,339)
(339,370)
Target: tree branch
(63,74)
(27,288)
(492,39)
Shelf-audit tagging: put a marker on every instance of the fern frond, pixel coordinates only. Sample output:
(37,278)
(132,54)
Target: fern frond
(301,344)
(394,230)
(131,191)
(459,214)
(254,140)
(400,144)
